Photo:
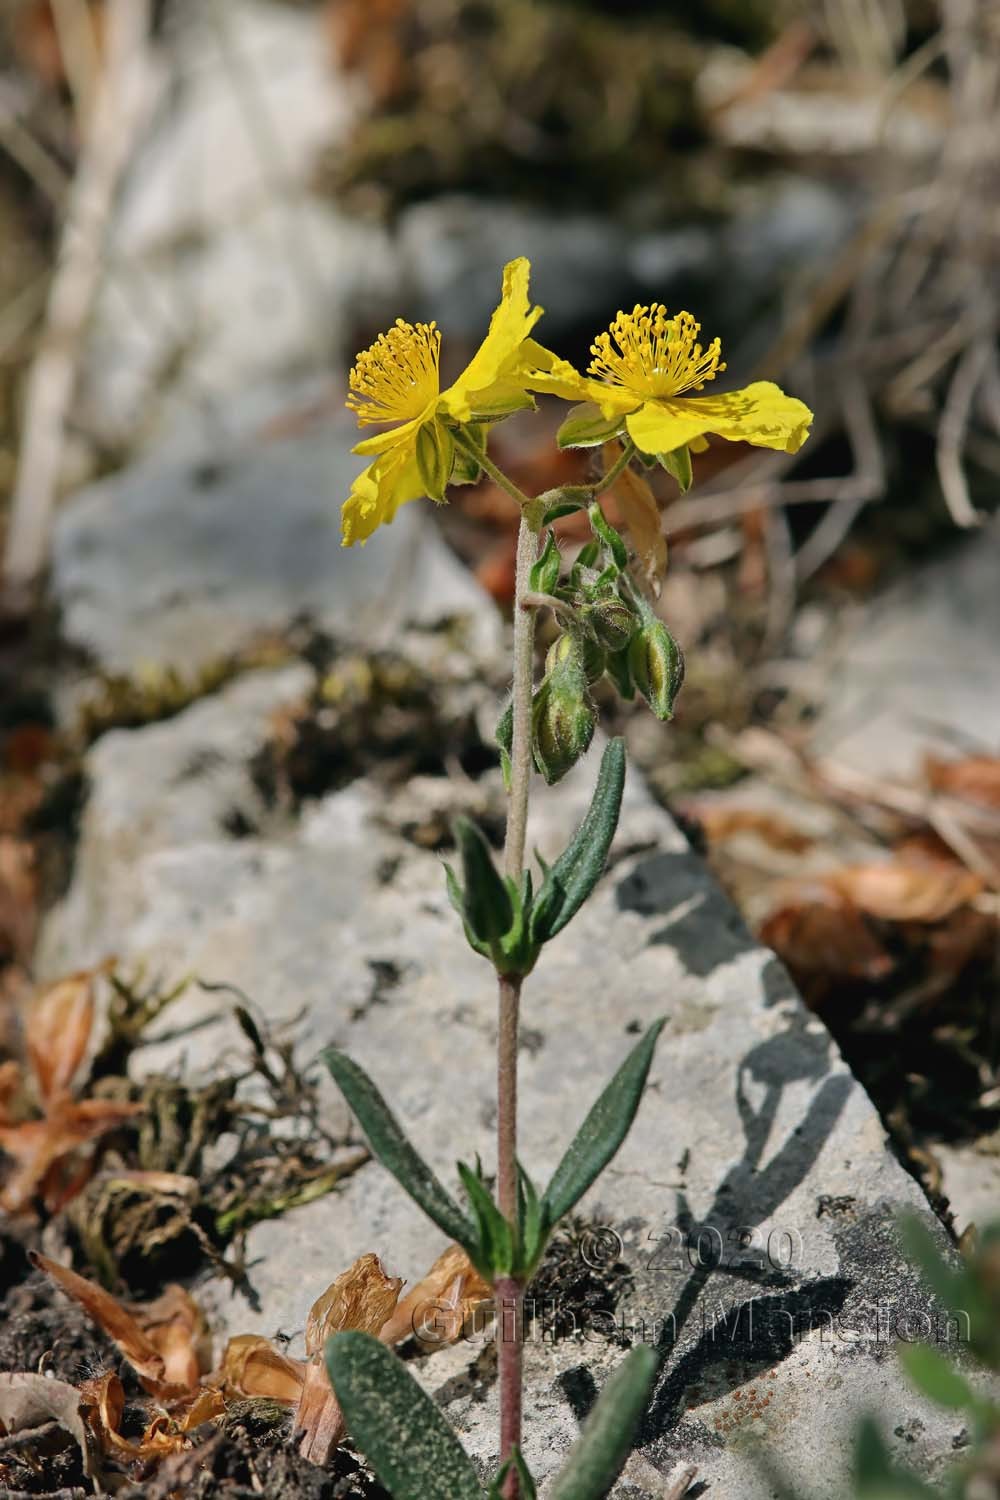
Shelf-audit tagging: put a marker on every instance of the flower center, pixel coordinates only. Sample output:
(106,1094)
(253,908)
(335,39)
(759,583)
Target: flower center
(397,377)
(652,355)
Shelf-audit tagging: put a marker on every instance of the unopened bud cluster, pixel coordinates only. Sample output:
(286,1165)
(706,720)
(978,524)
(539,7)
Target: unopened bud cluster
(607,629)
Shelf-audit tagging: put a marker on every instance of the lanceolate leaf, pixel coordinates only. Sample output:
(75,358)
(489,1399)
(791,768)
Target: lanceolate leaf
(577,870)
(604,1444)
(394,1151)
(602,1132)
(395,1423)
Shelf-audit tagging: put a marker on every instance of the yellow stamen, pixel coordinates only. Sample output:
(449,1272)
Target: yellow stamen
(652,355)
(397,377)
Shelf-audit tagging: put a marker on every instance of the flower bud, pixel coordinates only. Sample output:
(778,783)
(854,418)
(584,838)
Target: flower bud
(565,646)
(657,667)
(612,622)
(562,716)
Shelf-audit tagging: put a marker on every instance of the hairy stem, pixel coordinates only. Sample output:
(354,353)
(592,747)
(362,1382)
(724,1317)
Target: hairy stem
(621,463)
(509,1295)
(520,752)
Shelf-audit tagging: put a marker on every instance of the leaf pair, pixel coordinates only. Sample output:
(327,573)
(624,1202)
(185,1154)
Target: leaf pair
(496,1247)
(506,922)
(414,1452)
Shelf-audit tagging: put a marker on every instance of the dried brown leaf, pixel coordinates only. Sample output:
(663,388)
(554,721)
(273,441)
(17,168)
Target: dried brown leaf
(29,1400)
(318,1416)
(43,1150)
(57,1030)
(251,1366)
(641,516)
(363,1297)
(722,823)
(176,1328)
(825,937)
(18,898)
(437,1310)
(110,1315)
(976,778)
(898,891)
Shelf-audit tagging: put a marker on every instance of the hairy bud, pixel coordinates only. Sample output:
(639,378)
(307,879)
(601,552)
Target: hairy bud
(657,667)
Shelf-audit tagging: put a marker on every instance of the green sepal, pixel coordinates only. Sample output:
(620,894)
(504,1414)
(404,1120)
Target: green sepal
(656,663)
(678,463)
(465,469)
(504,403)
(602,528)
(544,573)
(604,1444)
(563,508)
(585,426)
(397,1426)
(587,556)
(612,622)
(390,1146)
(435,453)
(563,721)
(617,667)
(527,1490)
(569,882)
(875,1475)
(602,1132)
(494,1255)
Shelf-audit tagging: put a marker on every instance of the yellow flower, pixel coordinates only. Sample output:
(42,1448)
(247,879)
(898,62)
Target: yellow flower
(396,381)
(644,369)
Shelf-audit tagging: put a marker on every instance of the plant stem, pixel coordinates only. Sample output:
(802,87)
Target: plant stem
(520,750)
(509,1296)
(621,462)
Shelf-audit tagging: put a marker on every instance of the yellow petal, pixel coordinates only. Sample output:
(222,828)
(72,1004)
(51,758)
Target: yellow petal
(509,327)
(381,442)
(760,414)
(378,492)
(541,370)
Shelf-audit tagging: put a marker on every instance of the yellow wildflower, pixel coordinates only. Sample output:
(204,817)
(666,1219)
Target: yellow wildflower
(396,381)
(643,372)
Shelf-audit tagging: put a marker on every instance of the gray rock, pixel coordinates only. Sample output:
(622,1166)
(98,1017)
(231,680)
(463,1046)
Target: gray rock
(753,1142)
(180,560)
(898,686)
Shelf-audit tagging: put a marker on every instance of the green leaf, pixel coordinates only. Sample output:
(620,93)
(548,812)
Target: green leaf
(532,1226)
(397,1426)
(678,463)
(394,1151)
(604,1444)
(435,451)
(516,1461)
(486,902)
(577,870)
(602,1132)
(496,1238)
(875,1476)
(602,528)
(545,572)
(586,427)
(938,1378)
(587,556)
